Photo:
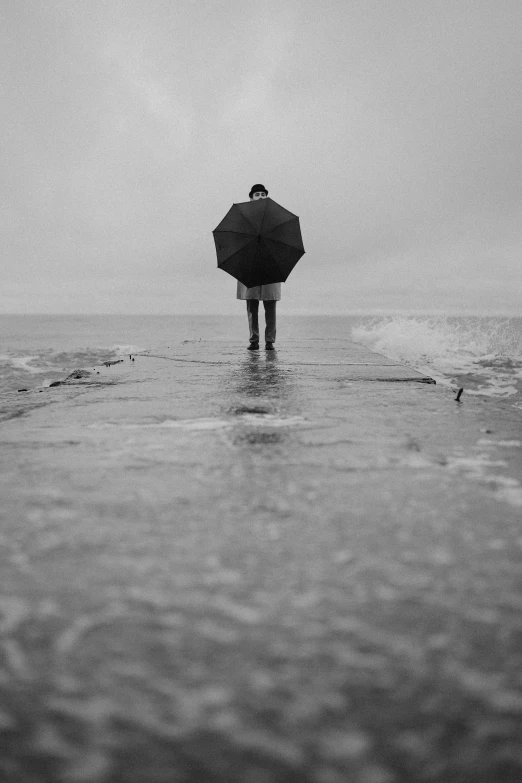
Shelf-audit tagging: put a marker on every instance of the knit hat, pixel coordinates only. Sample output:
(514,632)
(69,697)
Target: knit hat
(256,189)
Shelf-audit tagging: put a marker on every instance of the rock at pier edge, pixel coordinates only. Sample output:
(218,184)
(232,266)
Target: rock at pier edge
(221,565)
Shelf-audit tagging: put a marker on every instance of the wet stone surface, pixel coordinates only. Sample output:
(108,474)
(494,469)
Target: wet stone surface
(220,566)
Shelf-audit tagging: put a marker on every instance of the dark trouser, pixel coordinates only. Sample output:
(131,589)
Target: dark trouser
(270,319)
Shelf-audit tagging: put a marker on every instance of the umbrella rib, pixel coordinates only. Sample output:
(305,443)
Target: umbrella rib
(285,244)
(263,221)
(247,220)
(284,222)
(240,250)
(292,217)
(225,252)
(274,261)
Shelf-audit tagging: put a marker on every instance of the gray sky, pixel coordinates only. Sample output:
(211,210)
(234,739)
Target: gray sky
(392,128)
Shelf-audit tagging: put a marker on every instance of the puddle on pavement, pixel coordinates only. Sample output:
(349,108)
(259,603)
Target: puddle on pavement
(261,410)
(252,419)
(254,438)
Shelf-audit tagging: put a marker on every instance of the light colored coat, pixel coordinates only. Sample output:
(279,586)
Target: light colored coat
(264,292)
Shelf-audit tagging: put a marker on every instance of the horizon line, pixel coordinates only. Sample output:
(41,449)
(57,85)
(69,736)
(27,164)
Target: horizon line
(295,314)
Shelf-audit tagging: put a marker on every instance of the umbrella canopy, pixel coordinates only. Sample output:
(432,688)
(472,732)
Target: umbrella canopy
(258,242)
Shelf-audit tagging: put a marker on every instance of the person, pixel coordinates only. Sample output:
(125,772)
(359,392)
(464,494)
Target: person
(268,294)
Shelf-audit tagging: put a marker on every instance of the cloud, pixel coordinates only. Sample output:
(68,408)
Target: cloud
(392,129)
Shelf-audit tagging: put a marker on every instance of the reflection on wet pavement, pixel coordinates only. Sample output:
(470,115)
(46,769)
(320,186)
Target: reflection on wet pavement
(261,376)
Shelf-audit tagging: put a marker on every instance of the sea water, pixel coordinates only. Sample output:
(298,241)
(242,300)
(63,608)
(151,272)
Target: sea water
(483,355)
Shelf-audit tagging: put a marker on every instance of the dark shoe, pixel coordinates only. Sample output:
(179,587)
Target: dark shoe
(253,347)
(269,347)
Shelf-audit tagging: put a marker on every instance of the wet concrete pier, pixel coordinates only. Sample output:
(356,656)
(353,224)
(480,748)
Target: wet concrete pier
(221,565)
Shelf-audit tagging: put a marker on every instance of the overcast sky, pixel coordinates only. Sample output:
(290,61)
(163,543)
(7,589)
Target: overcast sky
(393,128)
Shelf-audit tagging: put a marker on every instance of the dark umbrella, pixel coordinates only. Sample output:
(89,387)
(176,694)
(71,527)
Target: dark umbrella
(258,242)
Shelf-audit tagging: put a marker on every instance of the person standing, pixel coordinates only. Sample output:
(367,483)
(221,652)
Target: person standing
(268,294)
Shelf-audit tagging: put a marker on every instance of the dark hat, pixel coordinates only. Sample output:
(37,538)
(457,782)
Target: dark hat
(256,189)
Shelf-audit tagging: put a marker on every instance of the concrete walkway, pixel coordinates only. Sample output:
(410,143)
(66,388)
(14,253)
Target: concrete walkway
(222,565)
(356,361)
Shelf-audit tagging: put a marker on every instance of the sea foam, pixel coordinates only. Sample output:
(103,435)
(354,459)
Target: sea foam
(486,350)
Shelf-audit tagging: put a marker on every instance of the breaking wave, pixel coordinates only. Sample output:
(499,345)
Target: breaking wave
(485,353)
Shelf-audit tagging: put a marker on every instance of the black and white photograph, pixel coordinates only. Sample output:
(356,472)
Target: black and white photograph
(261,391)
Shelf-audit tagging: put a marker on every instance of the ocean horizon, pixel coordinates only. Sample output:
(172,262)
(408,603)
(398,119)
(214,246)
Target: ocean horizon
(481,353)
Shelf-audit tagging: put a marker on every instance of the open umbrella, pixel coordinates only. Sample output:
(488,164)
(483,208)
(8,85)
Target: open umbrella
(258,242)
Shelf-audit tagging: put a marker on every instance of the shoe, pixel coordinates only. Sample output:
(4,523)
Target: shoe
(253,347)
(269,347)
